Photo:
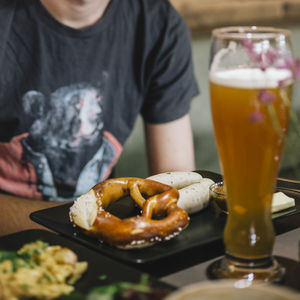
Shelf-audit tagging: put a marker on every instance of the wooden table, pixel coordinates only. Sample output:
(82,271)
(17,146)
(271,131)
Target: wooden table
(15,211)
(187,269)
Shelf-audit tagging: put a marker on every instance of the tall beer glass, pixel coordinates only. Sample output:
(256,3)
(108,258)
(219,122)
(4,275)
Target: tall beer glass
(250,91)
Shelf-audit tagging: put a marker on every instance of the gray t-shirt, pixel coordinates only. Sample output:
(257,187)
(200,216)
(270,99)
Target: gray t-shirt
(69,98)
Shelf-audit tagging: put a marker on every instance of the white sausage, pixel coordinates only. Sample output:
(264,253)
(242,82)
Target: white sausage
(177,179)
(195,197)
(193,188)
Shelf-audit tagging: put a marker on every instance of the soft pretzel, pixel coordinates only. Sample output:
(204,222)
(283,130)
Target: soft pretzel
(161,219)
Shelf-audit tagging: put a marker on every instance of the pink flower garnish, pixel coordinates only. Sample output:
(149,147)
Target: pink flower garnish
(271,59)
(266,97)
(264,59)
(256,117)
(250,48)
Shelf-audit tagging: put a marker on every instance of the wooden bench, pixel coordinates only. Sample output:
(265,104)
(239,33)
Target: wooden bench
(203,15)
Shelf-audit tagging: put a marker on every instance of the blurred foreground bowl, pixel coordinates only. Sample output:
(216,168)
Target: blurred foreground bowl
(233,290)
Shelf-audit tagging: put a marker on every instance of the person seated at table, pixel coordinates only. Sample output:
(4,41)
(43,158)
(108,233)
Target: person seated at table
(75,74)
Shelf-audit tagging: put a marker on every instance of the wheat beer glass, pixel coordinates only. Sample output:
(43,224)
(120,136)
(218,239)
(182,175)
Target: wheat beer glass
(250,91)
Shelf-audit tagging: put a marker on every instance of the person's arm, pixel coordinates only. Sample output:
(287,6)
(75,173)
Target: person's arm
(15,211)
(170,146)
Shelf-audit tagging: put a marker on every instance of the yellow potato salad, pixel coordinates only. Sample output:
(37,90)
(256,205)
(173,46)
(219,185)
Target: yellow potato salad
(38,271)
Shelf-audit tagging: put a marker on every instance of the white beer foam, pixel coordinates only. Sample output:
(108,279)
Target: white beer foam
(250,78)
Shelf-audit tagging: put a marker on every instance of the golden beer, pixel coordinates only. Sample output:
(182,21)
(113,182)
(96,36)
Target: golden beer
(250,151)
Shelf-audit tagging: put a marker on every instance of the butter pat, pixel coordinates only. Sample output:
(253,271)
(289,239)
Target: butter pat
(281,201)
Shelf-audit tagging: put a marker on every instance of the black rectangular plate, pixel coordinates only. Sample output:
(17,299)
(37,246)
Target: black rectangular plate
(205,230)
(98,265)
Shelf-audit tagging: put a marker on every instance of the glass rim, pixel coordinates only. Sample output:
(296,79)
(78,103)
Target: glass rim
(238,32)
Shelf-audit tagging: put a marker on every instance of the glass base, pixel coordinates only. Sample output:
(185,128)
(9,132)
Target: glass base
(228,267)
